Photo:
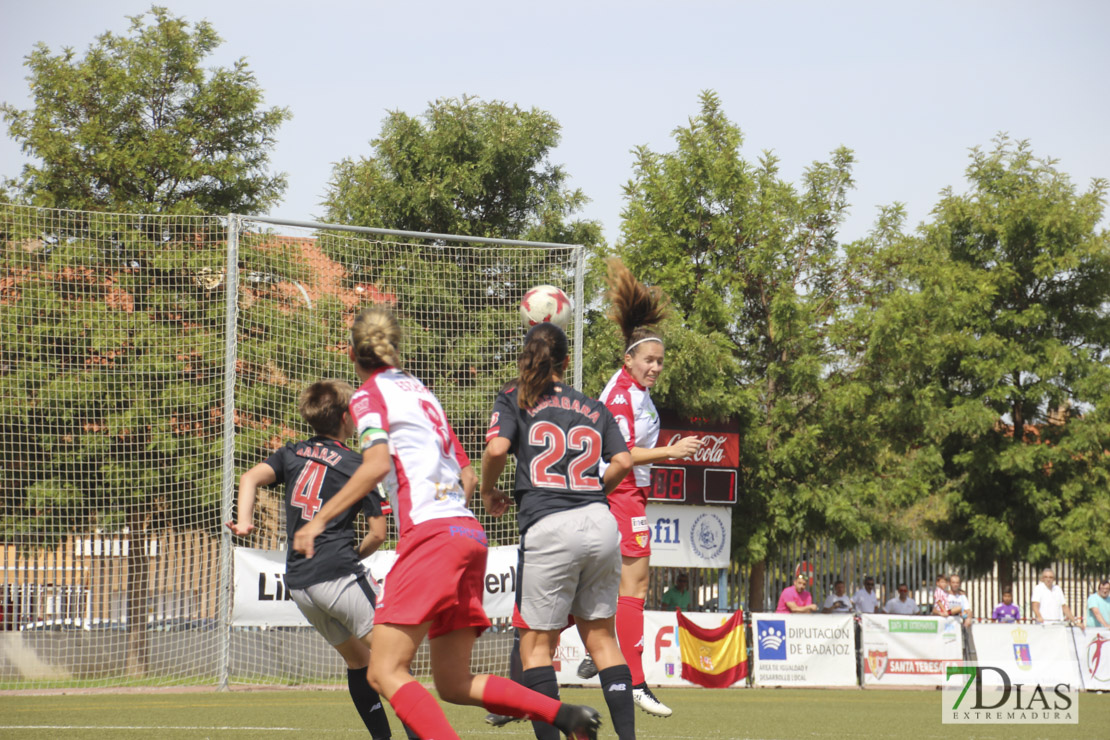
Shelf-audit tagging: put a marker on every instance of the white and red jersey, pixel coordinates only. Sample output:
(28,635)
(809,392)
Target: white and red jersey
(394,408)
(630,404)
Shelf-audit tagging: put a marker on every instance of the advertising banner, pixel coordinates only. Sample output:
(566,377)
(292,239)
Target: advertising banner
(1041,654)
(804,650)
(1093,648)
(262,600)
(662,654)
(689,536)
(909,651)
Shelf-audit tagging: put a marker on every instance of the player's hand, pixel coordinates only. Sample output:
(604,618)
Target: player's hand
(685,447)
(304,541)
(496,503)
(241,530)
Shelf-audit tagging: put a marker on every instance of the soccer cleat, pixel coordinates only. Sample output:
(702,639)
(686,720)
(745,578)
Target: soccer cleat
(644,699)
(578,722)
(500,720)
(587,669)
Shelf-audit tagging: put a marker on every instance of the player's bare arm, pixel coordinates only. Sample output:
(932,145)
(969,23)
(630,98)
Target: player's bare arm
(260,475)
(375,466)
(494,458)
(469,481)
(619,465)
(374,538)
(680,450)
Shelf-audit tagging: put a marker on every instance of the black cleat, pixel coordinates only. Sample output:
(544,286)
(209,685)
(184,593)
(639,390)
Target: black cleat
(587,669)
(578,722)
(500,720)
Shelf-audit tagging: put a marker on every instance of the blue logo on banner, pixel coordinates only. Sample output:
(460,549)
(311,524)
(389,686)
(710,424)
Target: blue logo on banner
(772,639)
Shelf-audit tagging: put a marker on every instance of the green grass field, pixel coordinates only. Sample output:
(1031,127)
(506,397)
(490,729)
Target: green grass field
(765,714)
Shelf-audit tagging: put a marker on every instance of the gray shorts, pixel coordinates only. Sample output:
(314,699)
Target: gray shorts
(339,609)
(570,563)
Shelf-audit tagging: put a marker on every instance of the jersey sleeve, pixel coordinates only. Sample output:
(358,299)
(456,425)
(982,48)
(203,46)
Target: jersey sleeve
(277,461)
(371,420)
(619,403)
(612,439)
(503,421)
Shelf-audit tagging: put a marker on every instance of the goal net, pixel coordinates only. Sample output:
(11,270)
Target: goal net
(137,382)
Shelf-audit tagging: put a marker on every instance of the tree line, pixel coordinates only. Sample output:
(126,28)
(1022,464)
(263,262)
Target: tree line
(949,378)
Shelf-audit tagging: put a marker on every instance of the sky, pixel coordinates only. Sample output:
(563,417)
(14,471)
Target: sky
(909,87)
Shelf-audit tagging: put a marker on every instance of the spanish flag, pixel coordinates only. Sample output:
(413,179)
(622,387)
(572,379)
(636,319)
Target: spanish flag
(713,658)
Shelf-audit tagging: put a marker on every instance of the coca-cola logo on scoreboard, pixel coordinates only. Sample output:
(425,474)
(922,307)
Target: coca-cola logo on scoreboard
(718,449)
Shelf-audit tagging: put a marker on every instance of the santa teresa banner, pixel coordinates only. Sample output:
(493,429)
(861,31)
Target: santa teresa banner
(262,600)
(909,651)
(804,650)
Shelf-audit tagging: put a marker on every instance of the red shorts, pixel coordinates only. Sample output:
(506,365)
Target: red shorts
(629,505)
(438,577)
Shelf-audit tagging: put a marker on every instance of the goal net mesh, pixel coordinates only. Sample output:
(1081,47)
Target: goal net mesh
(114,369)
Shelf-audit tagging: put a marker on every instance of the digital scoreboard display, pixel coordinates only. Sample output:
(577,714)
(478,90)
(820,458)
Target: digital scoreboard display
(709,477)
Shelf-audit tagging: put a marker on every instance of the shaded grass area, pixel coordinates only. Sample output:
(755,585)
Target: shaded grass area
(765,714)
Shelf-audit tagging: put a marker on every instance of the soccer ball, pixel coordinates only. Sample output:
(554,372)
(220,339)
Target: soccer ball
(545,303)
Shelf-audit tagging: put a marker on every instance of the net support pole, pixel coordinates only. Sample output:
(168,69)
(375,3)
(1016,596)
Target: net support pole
(227,479)
(579,311)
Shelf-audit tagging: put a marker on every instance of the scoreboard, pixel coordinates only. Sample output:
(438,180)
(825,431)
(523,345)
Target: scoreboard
(711,476)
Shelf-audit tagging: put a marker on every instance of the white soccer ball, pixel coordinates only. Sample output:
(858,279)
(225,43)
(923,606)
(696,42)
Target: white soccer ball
(546,303)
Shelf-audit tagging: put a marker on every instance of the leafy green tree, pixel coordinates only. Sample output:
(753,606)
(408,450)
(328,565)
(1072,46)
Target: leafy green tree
(138,124)
(1015,357)
(770,326)
(472,168)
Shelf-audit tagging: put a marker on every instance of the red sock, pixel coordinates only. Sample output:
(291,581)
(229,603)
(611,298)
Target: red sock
(418,709)
(630,635)
(502,696)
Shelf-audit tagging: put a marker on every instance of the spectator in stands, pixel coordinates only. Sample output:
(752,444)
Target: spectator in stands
(959,605)
(678,595)
(1049,602)
(940,596)
(865,600)
(903,603)
(796,599)
(1098,606)
(1007,611)
(837,602)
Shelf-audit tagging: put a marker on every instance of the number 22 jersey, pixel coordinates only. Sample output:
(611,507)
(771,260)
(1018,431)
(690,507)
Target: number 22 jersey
(559,444)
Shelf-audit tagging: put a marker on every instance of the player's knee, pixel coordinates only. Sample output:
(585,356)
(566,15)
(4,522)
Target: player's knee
(453,688)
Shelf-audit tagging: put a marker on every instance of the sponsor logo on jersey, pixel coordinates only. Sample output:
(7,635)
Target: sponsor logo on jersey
(640,524)
(619,399)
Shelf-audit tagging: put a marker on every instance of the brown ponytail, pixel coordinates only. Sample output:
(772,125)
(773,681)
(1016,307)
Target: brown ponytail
(635,306)
(375,337)
(545,350)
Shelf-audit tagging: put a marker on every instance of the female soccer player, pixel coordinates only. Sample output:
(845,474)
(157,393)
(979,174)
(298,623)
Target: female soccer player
(628,396)
(333,591)
(569,551)
(435,587)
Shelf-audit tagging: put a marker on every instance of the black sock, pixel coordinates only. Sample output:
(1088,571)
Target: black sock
(410,733)
(516,668)
(616,684)
(368,704)
(543,681)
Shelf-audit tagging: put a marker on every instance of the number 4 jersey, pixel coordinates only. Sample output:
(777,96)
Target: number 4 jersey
(558,446)
(313,471)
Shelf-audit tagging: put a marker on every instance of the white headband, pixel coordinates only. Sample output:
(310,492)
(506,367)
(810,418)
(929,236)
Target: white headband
(641,341)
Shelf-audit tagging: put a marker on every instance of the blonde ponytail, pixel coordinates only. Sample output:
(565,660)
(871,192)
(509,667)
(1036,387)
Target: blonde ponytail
(375,337)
